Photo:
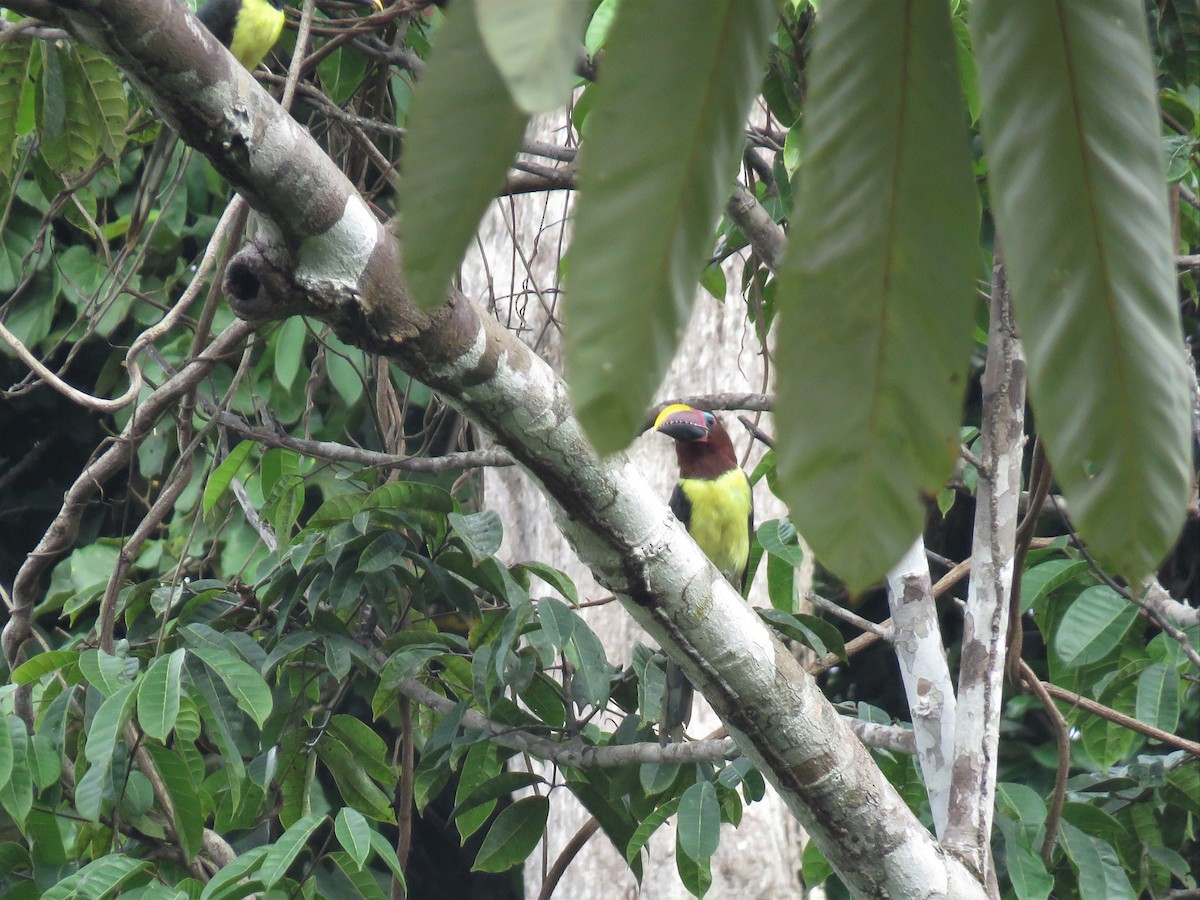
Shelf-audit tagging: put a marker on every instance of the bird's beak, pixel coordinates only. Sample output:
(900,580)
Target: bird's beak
(682,423)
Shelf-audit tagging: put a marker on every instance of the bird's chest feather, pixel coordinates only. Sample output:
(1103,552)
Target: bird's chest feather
(719,519)
(258,27)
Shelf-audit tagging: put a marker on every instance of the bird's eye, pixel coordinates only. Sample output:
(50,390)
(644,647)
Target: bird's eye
(709,418)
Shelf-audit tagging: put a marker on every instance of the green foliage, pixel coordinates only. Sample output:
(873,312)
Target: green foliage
(273,629)
(664,135)
(1078,187)
(450,174)
(876,292)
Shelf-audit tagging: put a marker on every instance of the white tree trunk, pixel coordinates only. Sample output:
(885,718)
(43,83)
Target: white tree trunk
(721,353)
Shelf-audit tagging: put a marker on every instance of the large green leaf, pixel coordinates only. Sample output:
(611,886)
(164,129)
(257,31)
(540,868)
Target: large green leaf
(513,835)
(248,688)
(158,695)
(14,70)
(1093,626)
(1078,192)
(105,95)
(1158,696)
(663,141)
(463,132)
(189,816)
(284,851)
(876,294)
(1101,876)
(70,140)
(534,44)
(699,832)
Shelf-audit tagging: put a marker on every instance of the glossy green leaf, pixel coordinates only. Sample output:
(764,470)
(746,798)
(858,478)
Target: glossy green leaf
(354,834)
(69,139)
(105,729)
(699,832)
(158,695)
(1158,696)
(513,835)
(43,664)
(450,173)
(16,789)
(102,877)
(387,854)
(104,92)
(1027,872)
(648,826)
(231,874)
(1078,188)
(534,44)
(279,858)
(356,787)
(248,688)
(1101,876)
(289,350)
(481,532)
(1042,580)
(14,69)
(696,875)
(663,143)
(1093,626)
(876,293)
(223,474)
(481,766)
(6,749)
(189,815)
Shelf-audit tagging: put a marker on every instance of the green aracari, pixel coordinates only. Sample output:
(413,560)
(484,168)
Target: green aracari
(249,28)
(713,501)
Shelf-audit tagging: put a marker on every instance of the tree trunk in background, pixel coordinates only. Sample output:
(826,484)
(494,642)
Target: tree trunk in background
(520,279)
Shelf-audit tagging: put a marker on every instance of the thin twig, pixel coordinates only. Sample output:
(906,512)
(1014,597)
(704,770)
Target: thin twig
(1063,738)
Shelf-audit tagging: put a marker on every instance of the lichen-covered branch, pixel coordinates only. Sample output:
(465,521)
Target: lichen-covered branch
(985,619)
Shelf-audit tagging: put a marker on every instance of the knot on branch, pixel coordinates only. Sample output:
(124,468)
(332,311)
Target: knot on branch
(259,290)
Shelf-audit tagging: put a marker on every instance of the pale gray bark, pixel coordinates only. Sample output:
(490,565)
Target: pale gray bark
(985,619)
(514,270)
(917,640)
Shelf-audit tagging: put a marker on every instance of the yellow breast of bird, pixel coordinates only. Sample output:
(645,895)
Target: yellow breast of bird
(258,27)
(719,520)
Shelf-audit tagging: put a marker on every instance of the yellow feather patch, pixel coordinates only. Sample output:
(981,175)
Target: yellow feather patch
(258,27)
(719,520)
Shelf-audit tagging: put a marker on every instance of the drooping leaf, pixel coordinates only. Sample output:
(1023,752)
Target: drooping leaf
(533,44)
(105,95)
(513,835)
(450,173)
(14,68)
(699,832)
(1101,876)
(158,695)
(1078,189)
(70,140)
(354,834)
(1093,625)
(663,141)
(284,851)
(876,292)
(248,688)
(189,816)
(1158,696)
(223,474)
(102,877)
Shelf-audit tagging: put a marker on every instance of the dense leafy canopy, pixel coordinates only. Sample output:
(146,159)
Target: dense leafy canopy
(272,636)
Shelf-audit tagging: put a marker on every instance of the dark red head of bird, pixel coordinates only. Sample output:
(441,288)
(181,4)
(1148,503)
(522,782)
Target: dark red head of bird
(702,445)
